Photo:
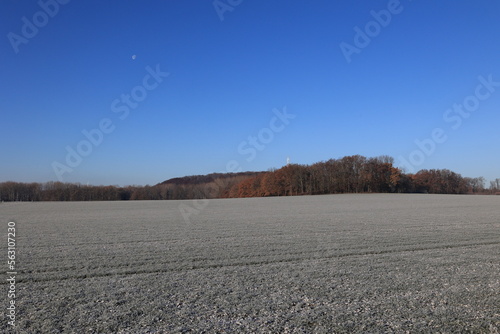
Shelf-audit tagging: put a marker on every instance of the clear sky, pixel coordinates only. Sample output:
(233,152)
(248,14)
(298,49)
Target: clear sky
(249,84)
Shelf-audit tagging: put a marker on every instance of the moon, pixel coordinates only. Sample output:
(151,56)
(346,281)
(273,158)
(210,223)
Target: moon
(133,57)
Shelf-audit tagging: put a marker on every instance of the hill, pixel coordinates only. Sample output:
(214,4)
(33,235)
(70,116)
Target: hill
(202,179)
(350,174)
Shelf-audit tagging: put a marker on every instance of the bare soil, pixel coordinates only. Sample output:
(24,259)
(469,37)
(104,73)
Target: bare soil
(377,263)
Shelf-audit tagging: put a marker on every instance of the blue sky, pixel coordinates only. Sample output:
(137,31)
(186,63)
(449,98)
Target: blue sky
(228,79)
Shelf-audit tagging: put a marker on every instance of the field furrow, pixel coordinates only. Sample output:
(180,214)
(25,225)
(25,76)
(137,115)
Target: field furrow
(316,264)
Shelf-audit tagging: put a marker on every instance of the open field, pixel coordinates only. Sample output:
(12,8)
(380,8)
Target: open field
(376,263)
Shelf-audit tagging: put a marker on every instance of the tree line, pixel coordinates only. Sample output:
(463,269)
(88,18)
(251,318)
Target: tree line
(357,174)
(350,174)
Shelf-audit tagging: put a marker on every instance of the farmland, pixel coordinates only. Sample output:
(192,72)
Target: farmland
(349,263)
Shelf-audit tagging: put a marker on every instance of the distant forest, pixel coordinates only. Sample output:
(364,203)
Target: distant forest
(351,174)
